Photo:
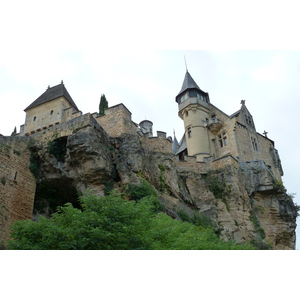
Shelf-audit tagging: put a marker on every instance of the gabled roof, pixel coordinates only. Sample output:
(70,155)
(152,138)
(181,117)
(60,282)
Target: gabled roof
(188,83)
(51,94)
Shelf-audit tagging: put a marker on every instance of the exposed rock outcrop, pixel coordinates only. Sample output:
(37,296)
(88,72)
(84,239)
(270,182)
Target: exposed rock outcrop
(242,200)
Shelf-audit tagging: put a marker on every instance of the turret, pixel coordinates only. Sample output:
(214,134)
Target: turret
(193,106)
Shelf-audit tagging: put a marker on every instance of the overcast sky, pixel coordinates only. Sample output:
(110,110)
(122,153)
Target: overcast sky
(99,49)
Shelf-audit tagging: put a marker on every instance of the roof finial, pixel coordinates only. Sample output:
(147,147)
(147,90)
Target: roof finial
(48,87)
(185,64)
(62,82)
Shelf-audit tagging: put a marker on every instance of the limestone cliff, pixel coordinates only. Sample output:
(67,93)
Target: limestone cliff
(242,199)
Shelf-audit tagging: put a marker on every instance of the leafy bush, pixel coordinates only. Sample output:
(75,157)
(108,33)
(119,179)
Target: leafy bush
(197,219)
(112,222)
(137,192)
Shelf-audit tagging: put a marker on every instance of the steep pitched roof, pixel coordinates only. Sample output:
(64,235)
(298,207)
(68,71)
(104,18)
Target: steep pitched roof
(183,145)
(188,83)
(51,94)
(175,145)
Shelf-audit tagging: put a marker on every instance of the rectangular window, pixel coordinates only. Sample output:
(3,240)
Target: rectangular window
(223,141)
(192,94)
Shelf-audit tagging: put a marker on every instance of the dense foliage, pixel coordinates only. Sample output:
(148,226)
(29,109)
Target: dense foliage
(111,222)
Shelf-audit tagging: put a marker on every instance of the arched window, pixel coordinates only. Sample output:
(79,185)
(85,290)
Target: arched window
(51,113)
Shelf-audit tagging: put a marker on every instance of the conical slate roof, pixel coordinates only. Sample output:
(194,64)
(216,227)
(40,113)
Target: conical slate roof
(51,94)
(175,145)
(188,83)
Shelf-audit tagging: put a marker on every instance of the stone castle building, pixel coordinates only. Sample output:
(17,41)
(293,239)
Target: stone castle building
(209,132)
(212,134)
(212,141)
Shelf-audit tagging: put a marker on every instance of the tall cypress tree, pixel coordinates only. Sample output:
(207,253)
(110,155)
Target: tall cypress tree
(103,105)
(14,132)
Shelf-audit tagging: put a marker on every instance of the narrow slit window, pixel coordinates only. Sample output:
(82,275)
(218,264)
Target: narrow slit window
(189,132)
(254,144)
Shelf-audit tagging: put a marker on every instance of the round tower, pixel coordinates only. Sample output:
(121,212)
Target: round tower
(146,128)
(193,106)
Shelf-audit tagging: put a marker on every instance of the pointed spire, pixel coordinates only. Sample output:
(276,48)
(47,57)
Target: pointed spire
(175,145)
(188,83)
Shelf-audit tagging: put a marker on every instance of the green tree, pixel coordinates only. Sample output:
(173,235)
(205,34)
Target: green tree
(14,132)
(103,105)
(114,223)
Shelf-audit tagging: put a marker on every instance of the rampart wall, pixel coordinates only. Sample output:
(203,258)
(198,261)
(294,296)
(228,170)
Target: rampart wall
(65,129)
(17,184)
(192,165)
(157,144)
(116,121)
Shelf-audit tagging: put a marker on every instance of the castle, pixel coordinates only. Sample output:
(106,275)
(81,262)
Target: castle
(210,134)
(212,141)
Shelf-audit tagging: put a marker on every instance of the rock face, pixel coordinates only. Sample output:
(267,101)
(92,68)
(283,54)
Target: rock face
(241,199)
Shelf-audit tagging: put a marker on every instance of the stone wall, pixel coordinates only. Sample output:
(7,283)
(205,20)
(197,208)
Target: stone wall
(117,121)
(223,162)
(64,129)
(227,127)
(157,144)
(246,152)
(191,165)
(17,186)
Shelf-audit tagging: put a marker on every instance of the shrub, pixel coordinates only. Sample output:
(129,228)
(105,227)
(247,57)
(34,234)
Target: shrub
(137,192)
(196,219)
(112,222)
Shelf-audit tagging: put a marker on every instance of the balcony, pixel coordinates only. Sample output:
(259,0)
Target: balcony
(214,125)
